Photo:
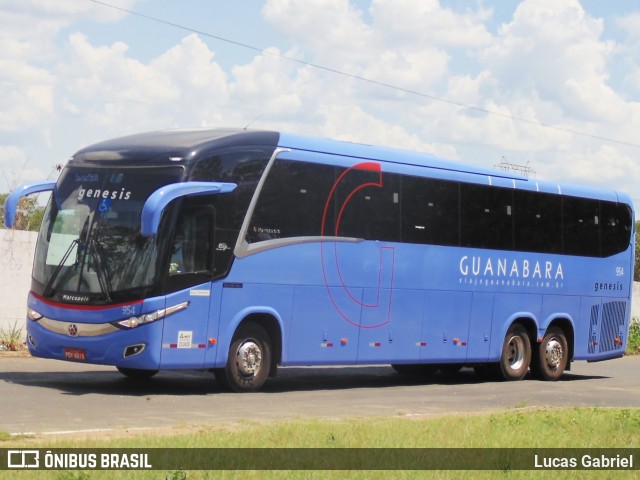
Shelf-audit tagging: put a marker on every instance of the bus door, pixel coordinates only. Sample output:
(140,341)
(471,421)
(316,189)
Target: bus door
(188,303)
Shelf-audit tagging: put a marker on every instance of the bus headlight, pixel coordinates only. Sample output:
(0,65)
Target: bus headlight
(133,322)
(33,315)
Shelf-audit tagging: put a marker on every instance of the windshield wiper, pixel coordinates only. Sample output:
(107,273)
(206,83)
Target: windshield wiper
(98,260)
(91,249)
(56,272)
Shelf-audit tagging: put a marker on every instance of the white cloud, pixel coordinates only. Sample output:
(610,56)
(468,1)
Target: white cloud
(401,43)
(554,50)
(265,87)
(13,163)
(404,43)
(604,165)
(630,50)
(29,26)
(27,98)
(332,29)
(28,58)
(415,24)
(339,122)
(182,86)
(65,11)
(12,154)
(548,64)
(414,71)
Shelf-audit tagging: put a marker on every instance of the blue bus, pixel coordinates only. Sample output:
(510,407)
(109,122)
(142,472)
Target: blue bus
(240,251)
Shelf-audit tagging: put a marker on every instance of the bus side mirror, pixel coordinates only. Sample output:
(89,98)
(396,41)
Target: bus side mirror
(158,200)
(11,203)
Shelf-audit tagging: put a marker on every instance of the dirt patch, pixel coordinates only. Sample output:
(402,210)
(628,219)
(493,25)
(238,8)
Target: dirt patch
(20,352)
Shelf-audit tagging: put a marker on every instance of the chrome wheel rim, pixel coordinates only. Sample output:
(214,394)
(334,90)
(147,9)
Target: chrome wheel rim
(515,352)
(553,353)
(249,358)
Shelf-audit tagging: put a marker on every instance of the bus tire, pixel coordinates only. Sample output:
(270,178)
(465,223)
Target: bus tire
(249,360)
(516,354)
(551,356)
(137,373)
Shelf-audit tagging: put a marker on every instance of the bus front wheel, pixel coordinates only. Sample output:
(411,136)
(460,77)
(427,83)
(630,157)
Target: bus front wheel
(248,362)
(516,354)
(552,355)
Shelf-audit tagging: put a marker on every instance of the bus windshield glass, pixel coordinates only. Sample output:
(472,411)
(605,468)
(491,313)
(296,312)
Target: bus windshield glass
(90,248)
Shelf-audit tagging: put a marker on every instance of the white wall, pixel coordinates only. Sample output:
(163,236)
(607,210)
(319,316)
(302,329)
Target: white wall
(16,260)
(635,304)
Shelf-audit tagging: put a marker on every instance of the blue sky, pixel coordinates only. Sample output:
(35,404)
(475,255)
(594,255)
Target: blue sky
(74,72)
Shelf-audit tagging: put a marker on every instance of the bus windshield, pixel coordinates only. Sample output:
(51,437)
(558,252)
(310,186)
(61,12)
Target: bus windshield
(90,248)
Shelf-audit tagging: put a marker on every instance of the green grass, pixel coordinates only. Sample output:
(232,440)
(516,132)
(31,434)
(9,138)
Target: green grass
(633,342)
(546,428)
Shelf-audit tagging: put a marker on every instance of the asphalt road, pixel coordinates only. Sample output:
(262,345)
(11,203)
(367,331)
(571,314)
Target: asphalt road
(47,396)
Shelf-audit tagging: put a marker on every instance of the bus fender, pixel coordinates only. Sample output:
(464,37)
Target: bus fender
(561,319)
(527,319)
(226,336)
(555,317)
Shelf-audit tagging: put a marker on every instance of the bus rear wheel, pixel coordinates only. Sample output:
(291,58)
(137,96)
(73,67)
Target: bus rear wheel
(551,356)
(248,362)
(516,354)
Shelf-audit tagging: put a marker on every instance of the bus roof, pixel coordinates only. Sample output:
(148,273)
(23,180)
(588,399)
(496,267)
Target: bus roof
(166,147)
(455,170)
(384,154)
(169,146)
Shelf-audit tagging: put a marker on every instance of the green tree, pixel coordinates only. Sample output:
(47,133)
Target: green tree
(29,214)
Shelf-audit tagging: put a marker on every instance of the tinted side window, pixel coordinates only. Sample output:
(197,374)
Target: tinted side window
(244,168)
(581,219)
(486,217)
(367,209)
(538,222)
(191,248)
(306,199)
(292,201)
(430,211)
(615,228)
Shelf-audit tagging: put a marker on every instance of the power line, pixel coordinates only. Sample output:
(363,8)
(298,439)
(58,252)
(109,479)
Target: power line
(369,80)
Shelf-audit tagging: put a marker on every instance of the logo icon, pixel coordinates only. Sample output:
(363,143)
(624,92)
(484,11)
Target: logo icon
(23,459)
(73,330)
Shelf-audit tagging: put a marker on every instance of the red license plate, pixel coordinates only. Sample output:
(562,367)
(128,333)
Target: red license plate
(76,354)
